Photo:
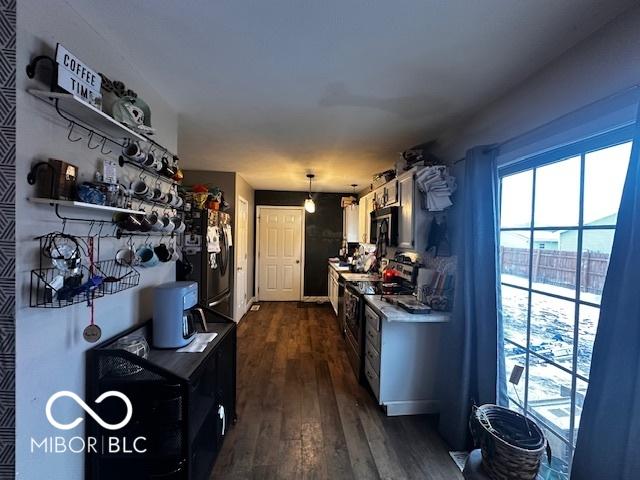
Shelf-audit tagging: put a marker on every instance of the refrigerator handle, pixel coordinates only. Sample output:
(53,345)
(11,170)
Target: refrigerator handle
(218,302)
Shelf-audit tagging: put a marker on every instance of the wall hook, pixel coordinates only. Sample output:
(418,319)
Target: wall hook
(104,144)
(71,125)
(89,142)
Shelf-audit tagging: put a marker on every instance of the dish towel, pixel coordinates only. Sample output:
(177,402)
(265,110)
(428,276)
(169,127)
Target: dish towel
(227,231)
(213,240)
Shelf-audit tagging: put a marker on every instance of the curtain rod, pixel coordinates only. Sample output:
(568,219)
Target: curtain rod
(620,93)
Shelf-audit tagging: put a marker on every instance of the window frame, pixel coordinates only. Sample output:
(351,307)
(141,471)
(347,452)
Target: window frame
(580,148)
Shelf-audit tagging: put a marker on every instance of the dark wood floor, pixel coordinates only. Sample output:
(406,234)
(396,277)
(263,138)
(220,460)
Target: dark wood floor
(302,414)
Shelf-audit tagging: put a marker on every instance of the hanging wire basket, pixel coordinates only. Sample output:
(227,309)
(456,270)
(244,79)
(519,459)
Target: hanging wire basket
(50,288)
(116,277)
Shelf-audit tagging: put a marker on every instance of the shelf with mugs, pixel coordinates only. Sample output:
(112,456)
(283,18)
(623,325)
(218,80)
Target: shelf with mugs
(94,121)
(146,170)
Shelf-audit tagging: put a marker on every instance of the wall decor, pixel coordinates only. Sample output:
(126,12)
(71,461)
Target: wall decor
(77,77)
(7,237)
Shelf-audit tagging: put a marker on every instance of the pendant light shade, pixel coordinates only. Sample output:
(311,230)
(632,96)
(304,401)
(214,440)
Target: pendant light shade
(309,204)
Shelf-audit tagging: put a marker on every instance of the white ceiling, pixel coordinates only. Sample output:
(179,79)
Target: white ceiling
(274,89)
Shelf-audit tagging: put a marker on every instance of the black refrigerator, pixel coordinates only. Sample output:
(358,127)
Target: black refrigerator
(211,266)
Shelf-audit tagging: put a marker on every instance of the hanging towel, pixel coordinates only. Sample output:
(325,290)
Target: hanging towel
(213,239)
(227,232)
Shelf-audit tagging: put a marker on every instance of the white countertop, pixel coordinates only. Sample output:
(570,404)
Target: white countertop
(394,313)
(336,266)
(360,277)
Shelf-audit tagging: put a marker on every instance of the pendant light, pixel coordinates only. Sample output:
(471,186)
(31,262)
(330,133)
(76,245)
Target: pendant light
(309,204)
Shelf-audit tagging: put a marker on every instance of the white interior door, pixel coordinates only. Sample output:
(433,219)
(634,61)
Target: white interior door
(242,240)
(280,253)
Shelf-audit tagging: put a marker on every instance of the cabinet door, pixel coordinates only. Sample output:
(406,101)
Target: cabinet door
(406,221)
(391,193)
(362,218)
(334,299)
(367,220)
(350,223)
(226,376)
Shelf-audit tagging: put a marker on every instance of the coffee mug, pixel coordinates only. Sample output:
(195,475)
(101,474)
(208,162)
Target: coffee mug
(179,226)
(175,256)
(176,201)
(134,152)
(145,224)
(139,187)
(162,252)
(151,162)
(147,256)
(169,226)
(154,220)
(126,257)
(128,221)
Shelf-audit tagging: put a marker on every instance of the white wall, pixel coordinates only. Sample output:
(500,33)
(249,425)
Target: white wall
(50,347)
(603,64)
(246,191)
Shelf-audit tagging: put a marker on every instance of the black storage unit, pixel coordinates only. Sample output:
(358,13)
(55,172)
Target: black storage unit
(183,405)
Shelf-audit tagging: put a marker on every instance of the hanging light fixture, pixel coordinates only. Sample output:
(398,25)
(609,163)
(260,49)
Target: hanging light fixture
(309,204)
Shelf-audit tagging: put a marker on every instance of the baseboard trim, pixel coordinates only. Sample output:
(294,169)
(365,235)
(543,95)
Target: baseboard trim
(315,299)
(411,407)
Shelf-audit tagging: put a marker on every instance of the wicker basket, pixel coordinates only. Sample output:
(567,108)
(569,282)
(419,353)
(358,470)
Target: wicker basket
(512,445)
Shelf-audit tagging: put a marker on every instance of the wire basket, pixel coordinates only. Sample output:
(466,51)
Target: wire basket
(117,277)
(52,288)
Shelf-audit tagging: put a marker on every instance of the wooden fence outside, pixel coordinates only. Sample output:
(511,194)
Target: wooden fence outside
(557,267)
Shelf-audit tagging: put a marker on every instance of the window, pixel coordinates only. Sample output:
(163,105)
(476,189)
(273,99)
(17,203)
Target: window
(558,219)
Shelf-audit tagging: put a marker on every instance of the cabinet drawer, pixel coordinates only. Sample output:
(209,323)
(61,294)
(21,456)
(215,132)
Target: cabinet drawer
(372,318)
(373,336)
(372,378)
(373,357)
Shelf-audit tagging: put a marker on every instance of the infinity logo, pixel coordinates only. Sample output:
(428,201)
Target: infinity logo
(86,408)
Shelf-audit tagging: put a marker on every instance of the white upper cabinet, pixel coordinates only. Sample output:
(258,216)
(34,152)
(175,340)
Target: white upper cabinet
(407,199)
(413,221)
(365,208)
(350,223)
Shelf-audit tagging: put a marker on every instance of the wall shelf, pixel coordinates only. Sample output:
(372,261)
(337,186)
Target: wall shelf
(76,204)
(87,114)
(92,118)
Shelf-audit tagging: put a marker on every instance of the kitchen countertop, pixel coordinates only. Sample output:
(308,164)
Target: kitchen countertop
(394,313)
(360,277)
(336,266)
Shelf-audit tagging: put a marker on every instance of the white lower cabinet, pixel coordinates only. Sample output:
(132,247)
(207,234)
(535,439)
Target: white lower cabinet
(400,365)
(332,281)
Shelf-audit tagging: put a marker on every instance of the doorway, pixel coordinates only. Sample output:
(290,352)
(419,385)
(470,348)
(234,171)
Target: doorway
(242,241)
(280,253)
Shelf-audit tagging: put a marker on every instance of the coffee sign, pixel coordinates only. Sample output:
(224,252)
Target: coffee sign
(77,78)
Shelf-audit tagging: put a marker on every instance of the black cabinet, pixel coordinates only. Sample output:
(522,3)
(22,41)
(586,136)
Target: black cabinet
(182,406)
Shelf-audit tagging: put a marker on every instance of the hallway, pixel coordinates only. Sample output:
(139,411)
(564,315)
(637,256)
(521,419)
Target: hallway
(302,413)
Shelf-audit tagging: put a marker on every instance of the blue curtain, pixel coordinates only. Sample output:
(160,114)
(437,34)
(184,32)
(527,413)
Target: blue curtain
(608,445)
(471,364)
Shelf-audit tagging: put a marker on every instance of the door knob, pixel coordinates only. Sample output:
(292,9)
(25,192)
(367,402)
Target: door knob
(239,268)
(297,261)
